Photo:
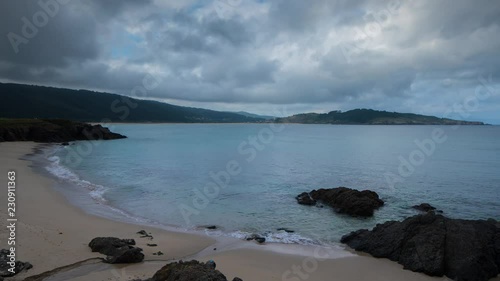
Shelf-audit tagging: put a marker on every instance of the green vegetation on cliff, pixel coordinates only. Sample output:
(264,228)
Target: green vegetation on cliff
(27,101)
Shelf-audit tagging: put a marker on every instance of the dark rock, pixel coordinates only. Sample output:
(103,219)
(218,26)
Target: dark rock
(305,199)
(131,255)
(435,245)
(237,279)
(159,253)
(345,200)
(211,227)
(4,266)
(257,238)
(260,240)
(286,230)
(189,271)
(110,245)
(144,234)
(53,130)
(117,250)
(424,207)
(151,245)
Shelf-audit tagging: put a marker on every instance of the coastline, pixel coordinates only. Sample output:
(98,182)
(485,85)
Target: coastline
(53,233)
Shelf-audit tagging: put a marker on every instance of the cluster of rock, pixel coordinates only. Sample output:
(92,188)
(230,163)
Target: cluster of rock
(344,200)
(49,130)
(189,271)
(123,251)
(429,243)
(117,250)
(435,245)
(5,265)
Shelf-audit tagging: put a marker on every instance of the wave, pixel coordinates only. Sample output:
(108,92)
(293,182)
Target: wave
(95,191)
(282,237)
(61,172)
(55,167)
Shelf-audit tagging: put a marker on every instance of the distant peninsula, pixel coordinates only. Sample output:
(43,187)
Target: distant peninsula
(40,102)
(370,117)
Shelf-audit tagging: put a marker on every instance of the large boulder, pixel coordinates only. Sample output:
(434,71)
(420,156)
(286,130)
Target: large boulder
(131,255)
(424,207)
(189,271)
(344,200)
(117,250)
(5,266)
(435,245)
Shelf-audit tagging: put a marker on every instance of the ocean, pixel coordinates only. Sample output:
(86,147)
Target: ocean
(243,178)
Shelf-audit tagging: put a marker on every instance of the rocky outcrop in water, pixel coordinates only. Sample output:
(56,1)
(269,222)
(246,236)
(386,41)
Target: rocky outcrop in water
(426,207)
(305,199)
(435,245)
(189,271)
(344,200)
(5,265)
(117,250)
(48,130)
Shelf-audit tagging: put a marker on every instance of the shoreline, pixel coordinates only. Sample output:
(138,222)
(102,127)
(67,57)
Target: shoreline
(82,199)
(53,233)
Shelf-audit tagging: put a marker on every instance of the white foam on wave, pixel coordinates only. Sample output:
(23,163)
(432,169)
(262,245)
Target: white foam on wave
(57,169)
(282,237)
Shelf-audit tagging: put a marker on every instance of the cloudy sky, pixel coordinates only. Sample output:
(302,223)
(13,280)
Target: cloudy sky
(426,56)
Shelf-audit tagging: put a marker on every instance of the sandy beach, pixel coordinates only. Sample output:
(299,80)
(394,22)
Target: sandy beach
(51,233)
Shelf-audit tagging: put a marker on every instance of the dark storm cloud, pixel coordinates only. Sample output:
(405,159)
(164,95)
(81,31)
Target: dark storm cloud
(315,54)
(54,43)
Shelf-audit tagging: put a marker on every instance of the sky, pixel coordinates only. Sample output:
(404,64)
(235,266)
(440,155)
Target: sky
(435,57)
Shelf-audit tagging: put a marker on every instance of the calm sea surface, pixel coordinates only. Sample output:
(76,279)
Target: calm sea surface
(244,177)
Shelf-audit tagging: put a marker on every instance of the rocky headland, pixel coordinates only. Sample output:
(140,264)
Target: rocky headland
(52,130)
(435,245)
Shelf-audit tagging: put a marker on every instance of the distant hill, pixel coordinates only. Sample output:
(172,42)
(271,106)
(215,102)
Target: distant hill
(371,117)
(248,114)
(27,101)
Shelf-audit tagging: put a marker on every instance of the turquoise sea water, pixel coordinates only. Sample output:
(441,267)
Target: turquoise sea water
(244,177)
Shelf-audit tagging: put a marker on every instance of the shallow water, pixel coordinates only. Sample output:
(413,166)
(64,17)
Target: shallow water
(244,177)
